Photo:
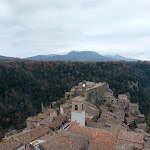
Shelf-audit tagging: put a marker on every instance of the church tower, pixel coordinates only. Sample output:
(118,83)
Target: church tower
(78,111)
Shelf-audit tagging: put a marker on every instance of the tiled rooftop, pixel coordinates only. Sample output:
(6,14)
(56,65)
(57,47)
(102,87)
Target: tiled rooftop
(42,116)
(51,110)
(64,141)
(115,105)
(57,121)
(26,137)
(46,121)
(131,137)
(96,145)
(122,96)
(105,137)
(79,99)
(10,144)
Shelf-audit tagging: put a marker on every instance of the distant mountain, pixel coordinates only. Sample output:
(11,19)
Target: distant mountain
(5,57)
(40,57)
(83,56)
(73,56)
(121,58)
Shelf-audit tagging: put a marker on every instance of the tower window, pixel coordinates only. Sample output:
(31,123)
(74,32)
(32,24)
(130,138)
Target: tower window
(82,106)
(76,107)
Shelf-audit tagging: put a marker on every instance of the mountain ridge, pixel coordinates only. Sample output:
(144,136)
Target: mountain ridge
(83,56)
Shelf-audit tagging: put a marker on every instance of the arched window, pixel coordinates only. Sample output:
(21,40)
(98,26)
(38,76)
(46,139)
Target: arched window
(76,107)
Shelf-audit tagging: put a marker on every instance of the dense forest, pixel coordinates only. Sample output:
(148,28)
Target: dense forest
(24,85)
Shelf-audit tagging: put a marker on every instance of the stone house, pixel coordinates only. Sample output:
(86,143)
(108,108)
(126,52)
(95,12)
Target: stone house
(34,121)
(122,97)
(133,109)
(52,112)
(65,107)
(21,141)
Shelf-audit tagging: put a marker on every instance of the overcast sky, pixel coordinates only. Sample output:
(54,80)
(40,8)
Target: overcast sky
(35,27)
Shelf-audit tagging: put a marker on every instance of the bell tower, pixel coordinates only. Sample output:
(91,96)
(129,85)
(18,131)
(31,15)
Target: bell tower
(78,111)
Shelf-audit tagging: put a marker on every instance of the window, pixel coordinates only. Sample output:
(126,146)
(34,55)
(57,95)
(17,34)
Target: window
(76,107)
(82,106)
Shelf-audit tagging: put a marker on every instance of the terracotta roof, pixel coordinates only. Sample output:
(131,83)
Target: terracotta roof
(115,105)
(103,108)
(134,104)
(96,145)
(117,128)
(91,111)
(46,121)
(42,116)
(122,96)
(64,141)
(51,110)
(58,120)
(131,137)
(66,106)
(102,136)
(88,104)
(141,116)
(79,99)
(125,145)
(68,93)
(110,120)
(26,137)
(9,144)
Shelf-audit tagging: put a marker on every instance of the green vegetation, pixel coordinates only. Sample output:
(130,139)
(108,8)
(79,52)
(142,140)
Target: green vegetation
(24,85)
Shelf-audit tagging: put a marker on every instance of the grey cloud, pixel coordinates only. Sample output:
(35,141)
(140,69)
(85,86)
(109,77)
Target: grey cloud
(31,27)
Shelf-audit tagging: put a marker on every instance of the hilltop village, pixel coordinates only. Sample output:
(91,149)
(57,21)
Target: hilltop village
(90,118)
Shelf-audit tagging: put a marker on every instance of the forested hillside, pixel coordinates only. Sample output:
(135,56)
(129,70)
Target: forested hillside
(24,85)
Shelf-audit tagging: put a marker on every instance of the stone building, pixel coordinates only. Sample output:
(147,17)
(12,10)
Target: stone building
(122,97)
(133,109)
(93,92)
(65,107)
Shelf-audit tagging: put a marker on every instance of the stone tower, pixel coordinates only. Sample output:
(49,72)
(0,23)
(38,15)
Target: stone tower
(78,111)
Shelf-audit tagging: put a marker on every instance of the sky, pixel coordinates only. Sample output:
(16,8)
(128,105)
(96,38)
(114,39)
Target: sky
(41,27)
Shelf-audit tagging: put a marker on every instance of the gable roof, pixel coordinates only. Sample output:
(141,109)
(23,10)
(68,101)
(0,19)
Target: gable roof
(66,141)
(10,143)
(131,137)
(78,99)
(26,137)
(102,136)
